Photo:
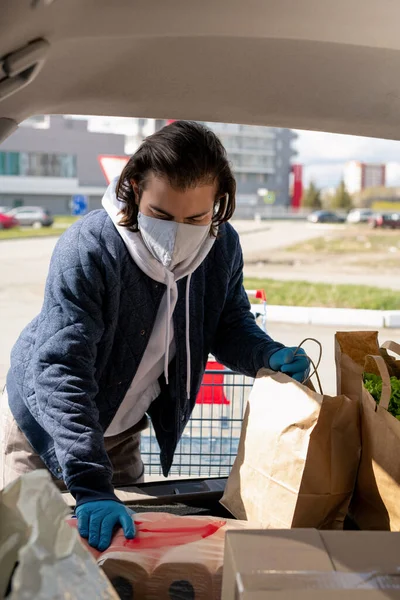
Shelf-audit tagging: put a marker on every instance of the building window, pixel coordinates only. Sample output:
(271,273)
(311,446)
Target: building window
(252,161)
(230,142)
(257,143)
(37,164)
(37,122)
(9,163)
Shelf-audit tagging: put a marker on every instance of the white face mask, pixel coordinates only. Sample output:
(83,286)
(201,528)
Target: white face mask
(170,242)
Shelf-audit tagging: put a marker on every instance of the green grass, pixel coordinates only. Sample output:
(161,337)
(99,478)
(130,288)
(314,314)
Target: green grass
(64,220)
(368,242)
(18,233)
(61,223)
(302,293)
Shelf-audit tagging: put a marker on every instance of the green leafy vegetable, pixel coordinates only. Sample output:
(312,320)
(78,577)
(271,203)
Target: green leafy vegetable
(373,384)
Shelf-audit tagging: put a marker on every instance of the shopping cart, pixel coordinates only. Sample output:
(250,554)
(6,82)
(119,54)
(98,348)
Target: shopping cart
(210,441)
(259,310)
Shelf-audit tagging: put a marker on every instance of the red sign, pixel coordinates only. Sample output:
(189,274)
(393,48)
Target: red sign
(297,188)
(112,166)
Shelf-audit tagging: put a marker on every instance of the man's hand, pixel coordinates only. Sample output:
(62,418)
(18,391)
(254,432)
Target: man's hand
(295,365)
(97,520)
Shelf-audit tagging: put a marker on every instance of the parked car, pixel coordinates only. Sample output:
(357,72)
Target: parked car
(7,222)
(360,215)
(33,216)
(385,221)
(325,216)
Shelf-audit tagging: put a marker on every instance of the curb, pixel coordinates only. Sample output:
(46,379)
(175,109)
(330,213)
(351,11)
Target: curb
(350,317)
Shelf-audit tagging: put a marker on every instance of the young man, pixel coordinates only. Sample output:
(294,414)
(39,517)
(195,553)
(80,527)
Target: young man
(137,296)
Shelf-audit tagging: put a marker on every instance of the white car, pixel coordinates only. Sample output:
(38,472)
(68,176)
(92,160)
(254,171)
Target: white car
(360,215)
(33,216)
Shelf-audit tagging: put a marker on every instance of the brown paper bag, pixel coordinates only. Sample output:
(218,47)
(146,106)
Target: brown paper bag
(392,364)
(351,348)
(376,500)
(297,459)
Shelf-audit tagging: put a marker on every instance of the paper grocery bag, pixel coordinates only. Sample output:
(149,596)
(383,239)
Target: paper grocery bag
(297,459)
(392,364)
(351,348)
(376,500)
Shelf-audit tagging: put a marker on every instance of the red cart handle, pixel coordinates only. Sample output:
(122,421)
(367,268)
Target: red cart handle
(259,294)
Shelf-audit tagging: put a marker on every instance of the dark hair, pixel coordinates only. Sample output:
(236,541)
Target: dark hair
(187,154)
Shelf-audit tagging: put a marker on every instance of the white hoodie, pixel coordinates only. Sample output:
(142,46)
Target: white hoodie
(160,349)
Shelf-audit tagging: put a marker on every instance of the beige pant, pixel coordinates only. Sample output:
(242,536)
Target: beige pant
(18,457)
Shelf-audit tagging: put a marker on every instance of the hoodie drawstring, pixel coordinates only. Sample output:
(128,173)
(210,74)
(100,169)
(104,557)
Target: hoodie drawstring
(145,260)
(168,334)
(188,361)
(167,329)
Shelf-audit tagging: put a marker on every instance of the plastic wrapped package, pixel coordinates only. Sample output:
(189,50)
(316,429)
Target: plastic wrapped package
(41,557)
(171,558)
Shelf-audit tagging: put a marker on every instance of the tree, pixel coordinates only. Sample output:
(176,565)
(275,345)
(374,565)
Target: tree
(341,198)
(311,197)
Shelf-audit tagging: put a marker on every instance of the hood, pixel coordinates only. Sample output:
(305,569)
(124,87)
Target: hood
(154,269)
(138,250)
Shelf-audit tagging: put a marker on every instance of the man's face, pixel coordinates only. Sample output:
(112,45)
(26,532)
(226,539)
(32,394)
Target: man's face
(193,206)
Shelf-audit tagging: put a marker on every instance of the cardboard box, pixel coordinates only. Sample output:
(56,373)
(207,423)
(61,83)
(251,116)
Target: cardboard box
(306,563)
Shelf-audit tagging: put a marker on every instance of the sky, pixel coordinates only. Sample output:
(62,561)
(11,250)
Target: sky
(325,154)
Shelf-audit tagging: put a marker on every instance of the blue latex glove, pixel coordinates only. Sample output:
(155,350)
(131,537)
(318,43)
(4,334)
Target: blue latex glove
(296,366)
(97,520)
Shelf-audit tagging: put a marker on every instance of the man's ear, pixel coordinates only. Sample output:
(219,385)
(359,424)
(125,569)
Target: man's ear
(217,204)
(135,188)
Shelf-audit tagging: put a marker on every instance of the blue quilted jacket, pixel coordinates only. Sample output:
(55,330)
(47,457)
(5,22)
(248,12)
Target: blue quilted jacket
(73,364)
